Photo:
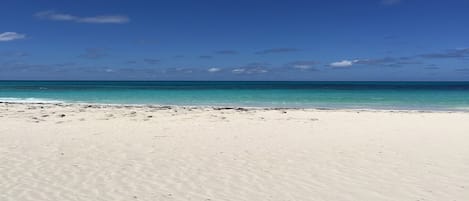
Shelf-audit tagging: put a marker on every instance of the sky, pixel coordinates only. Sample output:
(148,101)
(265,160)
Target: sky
(362,40)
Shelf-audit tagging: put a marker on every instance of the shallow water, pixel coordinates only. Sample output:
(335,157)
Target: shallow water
(370,95)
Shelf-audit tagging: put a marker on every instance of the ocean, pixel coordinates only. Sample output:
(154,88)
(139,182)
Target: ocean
(327,95)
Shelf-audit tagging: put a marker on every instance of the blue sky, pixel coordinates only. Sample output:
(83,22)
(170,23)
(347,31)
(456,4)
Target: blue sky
(384,40)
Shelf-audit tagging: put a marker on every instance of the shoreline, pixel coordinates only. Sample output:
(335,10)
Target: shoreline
(240,108)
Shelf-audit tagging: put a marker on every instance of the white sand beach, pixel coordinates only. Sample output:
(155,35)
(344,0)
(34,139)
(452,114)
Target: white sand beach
(61,152)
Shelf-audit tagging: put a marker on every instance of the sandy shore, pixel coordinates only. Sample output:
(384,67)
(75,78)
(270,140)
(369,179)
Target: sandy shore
(60,152)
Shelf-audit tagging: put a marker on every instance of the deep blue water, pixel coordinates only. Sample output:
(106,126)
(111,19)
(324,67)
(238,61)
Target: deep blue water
(371,95)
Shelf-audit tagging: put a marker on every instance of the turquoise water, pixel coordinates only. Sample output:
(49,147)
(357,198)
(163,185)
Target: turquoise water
(370,95)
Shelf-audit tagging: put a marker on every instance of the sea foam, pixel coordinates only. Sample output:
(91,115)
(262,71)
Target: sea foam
(28,100)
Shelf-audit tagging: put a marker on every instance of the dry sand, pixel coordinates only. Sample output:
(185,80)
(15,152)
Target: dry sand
(113,153)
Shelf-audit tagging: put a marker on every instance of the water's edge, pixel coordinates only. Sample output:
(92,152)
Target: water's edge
(236,108)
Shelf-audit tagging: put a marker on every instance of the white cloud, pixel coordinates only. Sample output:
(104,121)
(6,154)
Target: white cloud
(213,70)
(249,70)
(302,66)
(51,15)
(9,36)
(261,71)
(238,70)
(343,63)
(184,70)
(108,70)
(115,19)
(103,19)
